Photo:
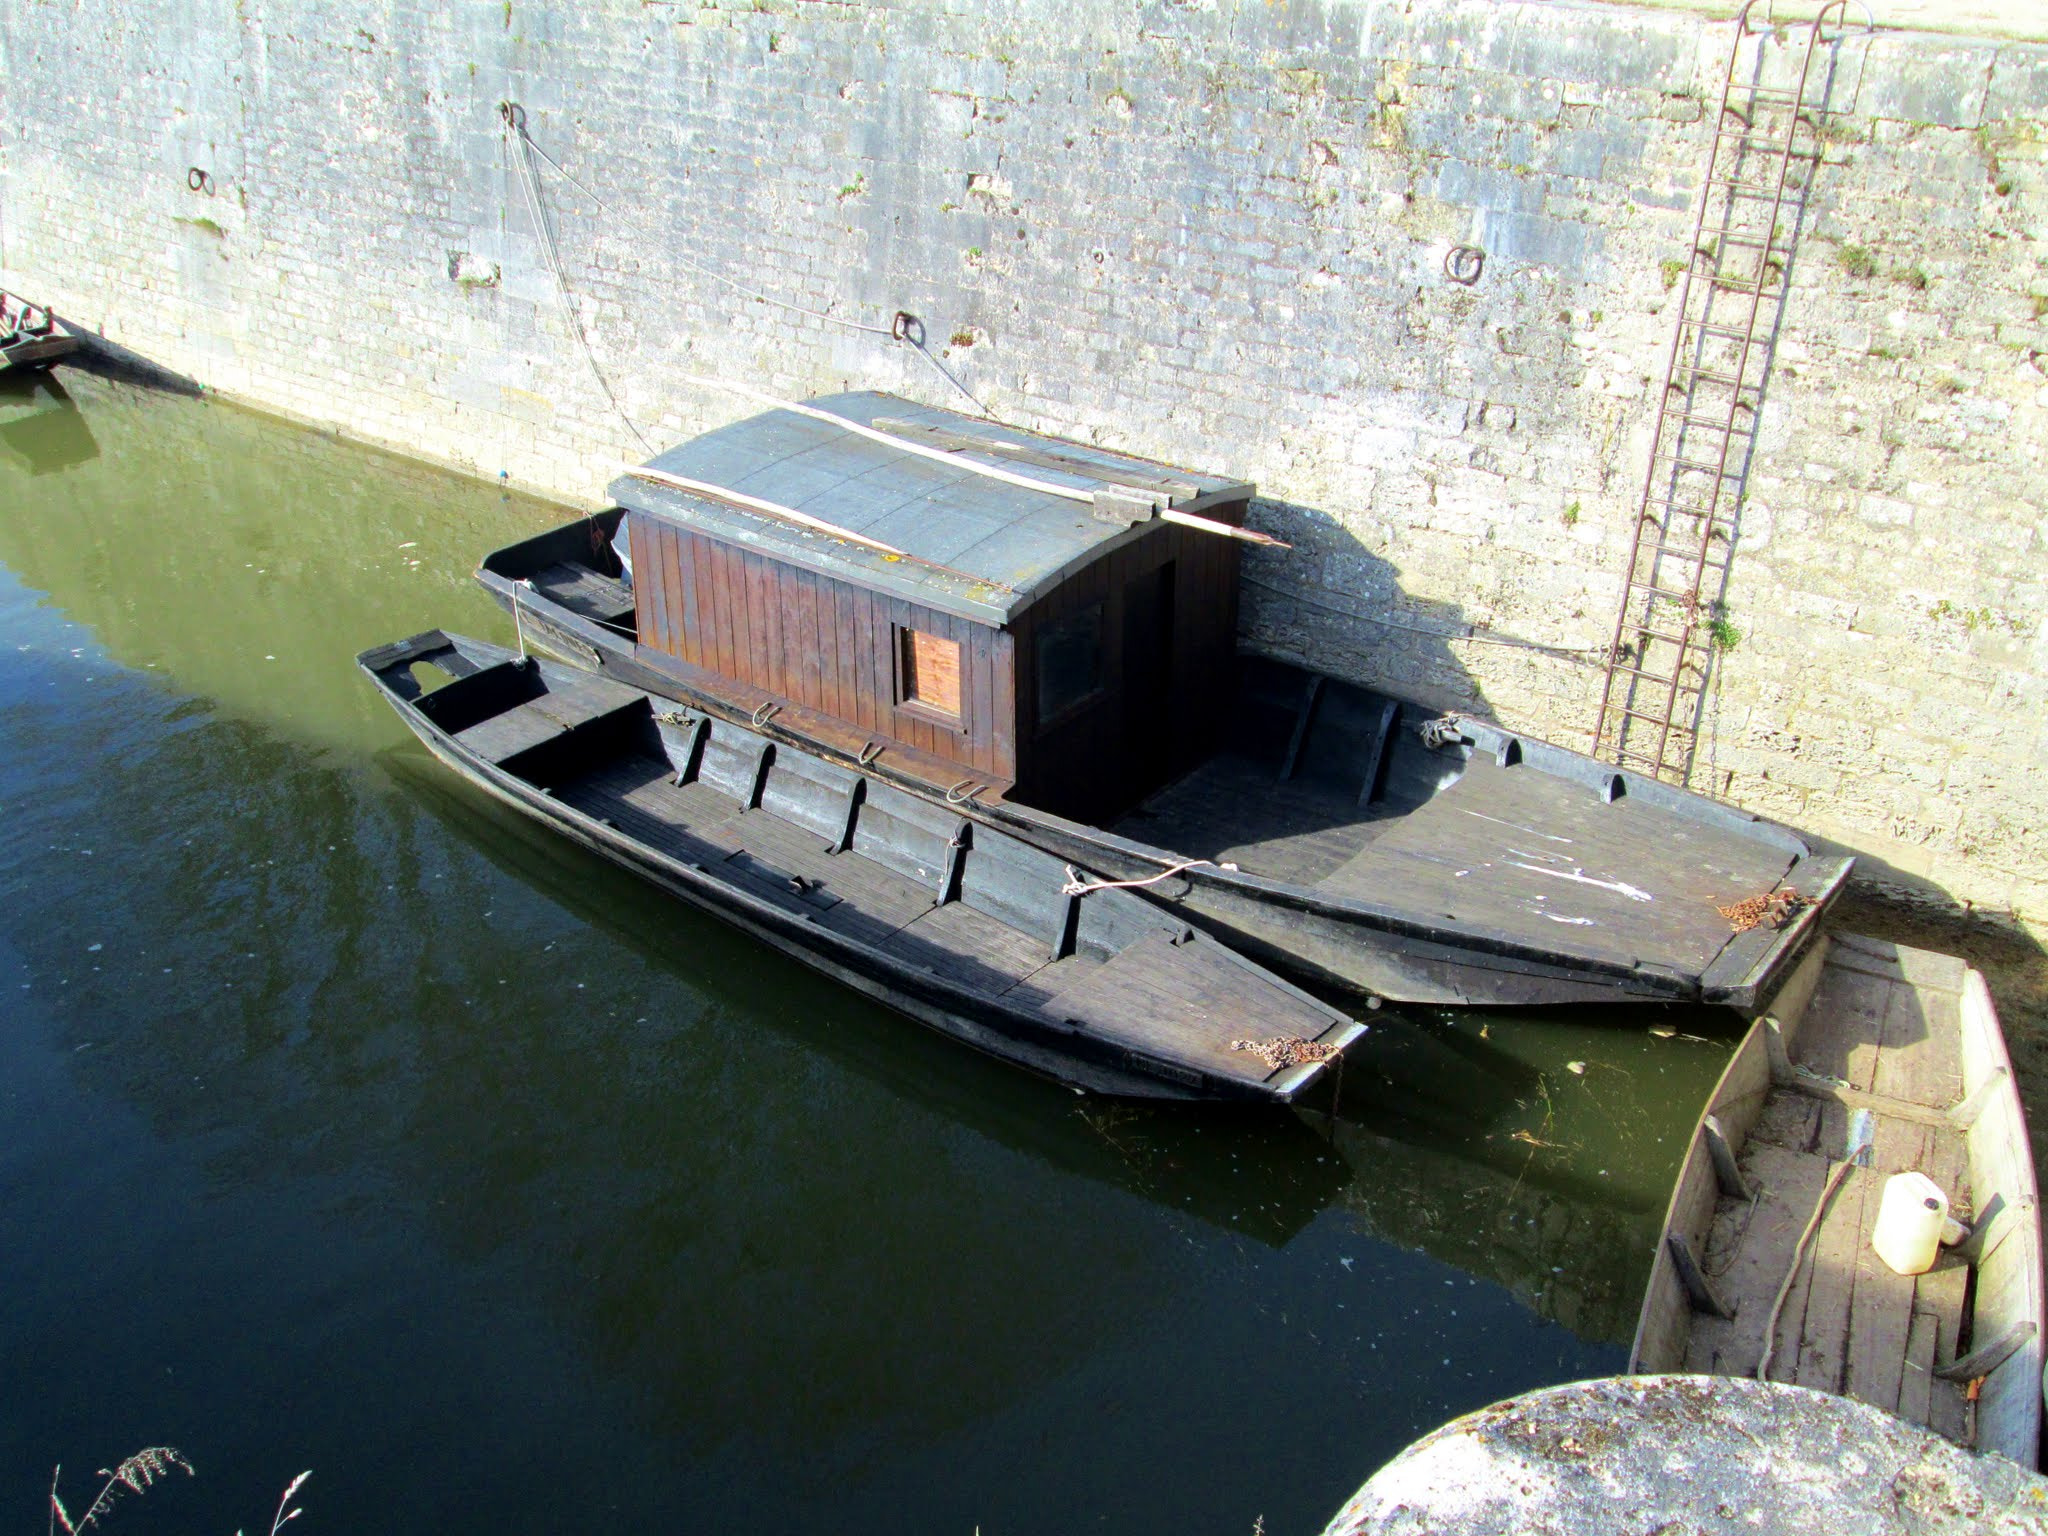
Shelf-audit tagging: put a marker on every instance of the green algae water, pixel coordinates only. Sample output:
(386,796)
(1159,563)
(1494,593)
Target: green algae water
(355,1124)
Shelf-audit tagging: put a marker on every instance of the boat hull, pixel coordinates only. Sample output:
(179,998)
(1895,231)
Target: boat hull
(1051,1047)
(1372,942)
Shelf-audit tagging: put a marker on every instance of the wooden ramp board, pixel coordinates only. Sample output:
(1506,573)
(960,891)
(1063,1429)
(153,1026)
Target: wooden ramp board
(1526,853)
(1882,1054)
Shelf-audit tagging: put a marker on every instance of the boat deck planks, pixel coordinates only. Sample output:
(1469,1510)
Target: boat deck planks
(1621,879)
(583,590)
(1883,1052)
(1232,809)
(964,928)
(1189,1011)
(958,941)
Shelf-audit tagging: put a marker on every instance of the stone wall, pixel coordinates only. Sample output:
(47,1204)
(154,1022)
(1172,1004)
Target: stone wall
(1207,231)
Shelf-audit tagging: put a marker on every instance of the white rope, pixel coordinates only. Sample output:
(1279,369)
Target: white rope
(972,466)
(1076,886)
(891,440)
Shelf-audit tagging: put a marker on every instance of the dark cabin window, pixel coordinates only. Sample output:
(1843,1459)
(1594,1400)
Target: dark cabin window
(928,674)
(1069,662)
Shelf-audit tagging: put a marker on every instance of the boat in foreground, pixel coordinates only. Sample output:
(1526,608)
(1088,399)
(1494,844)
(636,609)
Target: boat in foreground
(957,925)
(813,568)
(30,336)
(1878,1061)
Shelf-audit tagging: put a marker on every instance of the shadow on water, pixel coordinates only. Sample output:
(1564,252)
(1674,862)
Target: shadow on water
(42,429)
(1160,1153)
(1427,1148)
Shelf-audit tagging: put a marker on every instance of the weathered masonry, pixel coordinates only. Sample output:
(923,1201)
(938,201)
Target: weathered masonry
(1022,640)
(1411,266)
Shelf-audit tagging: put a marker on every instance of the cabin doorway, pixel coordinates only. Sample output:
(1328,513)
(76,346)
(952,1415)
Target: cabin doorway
(1148,681)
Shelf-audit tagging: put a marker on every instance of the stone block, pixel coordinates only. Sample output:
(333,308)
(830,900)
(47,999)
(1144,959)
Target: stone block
(1912,78)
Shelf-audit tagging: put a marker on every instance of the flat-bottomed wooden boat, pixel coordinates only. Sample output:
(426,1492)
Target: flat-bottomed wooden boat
(795,570)
(30,337)
(1877,1060)
(962,927)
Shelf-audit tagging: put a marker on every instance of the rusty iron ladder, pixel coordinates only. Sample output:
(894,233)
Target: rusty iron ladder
(1766,144)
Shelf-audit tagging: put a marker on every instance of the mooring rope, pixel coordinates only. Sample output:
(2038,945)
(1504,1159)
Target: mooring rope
(1076,886)
(551,257)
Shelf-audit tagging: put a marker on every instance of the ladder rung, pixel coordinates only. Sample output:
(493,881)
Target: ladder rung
(1682,375)
(1709,513)
(1720,470)
(1698,554)
(1724,332)
(1746,138)
(1749,244)
(1683,642)
(1745,286)
(1643,630)
(1766,95)
(1654,677)
(1669,725)
(1739,189)
(1709,423)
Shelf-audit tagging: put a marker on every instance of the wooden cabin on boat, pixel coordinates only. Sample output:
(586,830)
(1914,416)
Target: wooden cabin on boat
(1047,636)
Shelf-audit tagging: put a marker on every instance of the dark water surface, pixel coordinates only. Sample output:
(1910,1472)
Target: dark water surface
(351,1123)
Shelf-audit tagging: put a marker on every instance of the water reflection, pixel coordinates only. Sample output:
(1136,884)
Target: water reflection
(41,428)
(357,1122)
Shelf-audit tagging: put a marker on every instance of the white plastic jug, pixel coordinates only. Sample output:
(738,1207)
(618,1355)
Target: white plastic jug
(1910,1222)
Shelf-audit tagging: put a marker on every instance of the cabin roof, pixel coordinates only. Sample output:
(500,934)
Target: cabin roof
(969,545)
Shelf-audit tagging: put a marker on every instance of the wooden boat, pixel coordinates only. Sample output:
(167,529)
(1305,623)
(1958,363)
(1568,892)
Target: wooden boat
(808,570)
(959,926)
(1765,1265)
(30,336)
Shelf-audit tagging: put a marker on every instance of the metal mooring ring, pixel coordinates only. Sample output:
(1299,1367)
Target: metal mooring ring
(1464,263)
(199,181)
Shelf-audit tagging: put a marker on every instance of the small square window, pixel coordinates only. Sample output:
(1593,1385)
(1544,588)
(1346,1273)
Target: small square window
(928,673)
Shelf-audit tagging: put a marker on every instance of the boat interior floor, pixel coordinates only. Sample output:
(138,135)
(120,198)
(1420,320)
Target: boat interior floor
(582,590)
(1514,849)
(1885,1022)
(861,859)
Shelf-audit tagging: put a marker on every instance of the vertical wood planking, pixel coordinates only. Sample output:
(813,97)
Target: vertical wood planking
(760,599)
(697,616)
(650,597)
(1003,705)
(685,623)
